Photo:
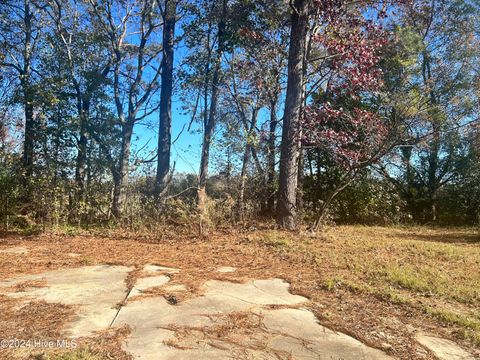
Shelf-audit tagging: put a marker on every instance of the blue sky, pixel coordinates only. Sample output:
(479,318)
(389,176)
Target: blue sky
(185,151)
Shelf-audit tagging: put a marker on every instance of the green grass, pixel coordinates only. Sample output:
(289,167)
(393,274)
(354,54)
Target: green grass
(409,277)
(275,239)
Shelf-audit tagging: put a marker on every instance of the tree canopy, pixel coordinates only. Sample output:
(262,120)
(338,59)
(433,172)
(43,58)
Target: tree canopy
(308,112)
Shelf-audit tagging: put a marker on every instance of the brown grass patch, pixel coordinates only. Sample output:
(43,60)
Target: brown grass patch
(37,320)
(24,285)
(106,345)
(238,329)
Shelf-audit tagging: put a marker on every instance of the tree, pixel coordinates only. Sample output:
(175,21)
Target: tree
(264,44)
(82,46)
(133,49)
(340,52)
(205,37)
(210,119)
(165,123)
(376,96)
(254,83)
(20,33)
(291,117)
(246,98)
(432,90)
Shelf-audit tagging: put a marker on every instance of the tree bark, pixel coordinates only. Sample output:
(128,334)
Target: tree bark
(80,169)
(300,179)
(287,208)
(29,140)
(434,153)
(408,190)
(29,135)
(121,180)
(243,181)
(271,157)
(246,161)
(165,123)
(202,183)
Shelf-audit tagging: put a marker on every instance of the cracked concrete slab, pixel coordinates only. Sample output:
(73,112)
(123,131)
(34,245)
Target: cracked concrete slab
(297,332)
(143,284)
(152,269)
(96,290)
(229,321)
(157,326)
(257,292)
(442,348)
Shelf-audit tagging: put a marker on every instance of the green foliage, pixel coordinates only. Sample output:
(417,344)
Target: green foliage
(369,200)
(10,192)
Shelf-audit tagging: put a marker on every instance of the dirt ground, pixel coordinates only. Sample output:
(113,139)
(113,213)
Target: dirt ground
(379,285)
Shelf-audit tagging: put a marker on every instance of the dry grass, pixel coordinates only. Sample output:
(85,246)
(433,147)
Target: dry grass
(376,284)
(420,261)
(433,270)
(37,320)
(238,332)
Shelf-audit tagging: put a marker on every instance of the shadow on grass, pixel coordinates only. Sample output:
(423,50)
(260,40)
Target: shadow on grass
(447,237)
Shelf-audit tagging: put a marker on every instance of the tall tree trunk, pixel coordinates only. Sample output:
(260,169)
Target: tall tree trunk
(433,181)
(286,209)
(300,178)
(409,189)
(165,123)
(246,161)
(80,168)
(243,181)
(209,124)
(121,180)
(301,154)
(271,157)
(434,155)
(29,136)
(117,188)
(29,140)
(202,182)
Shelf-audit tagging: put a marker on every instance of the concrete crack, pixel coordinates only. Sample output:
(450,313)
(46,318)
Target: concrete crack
(122,304)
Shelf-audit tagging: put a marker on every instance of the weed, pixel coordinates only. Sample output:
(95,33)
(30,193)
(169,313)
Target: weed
(275,240)
(78,354)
